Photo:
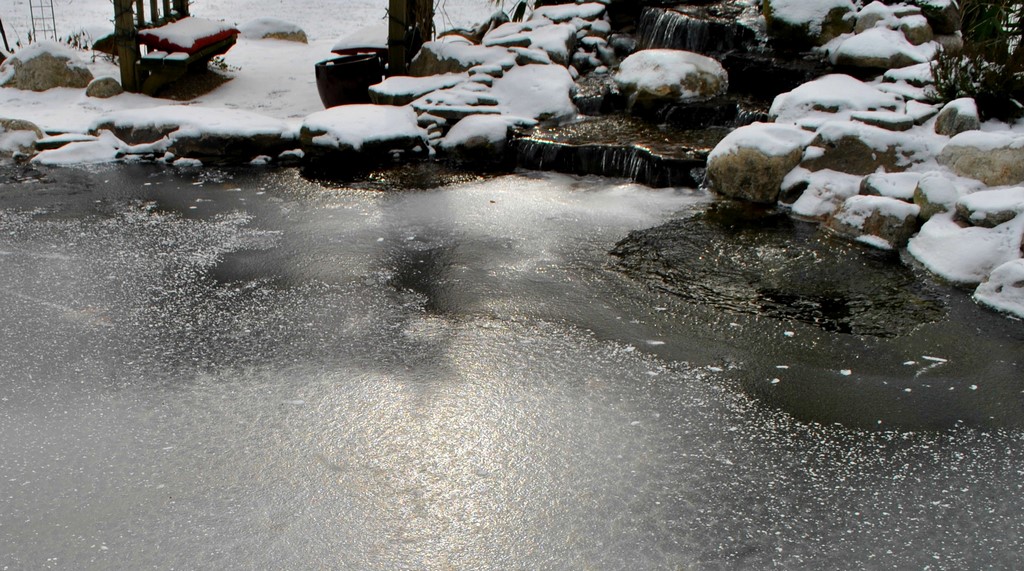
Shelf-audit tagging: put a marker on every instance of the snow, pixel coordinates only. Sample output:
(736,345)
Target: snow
(567,12)
(826,191)
(491,129)
(369,37)
(770,139)
(882,43)
(194,119)
(894,185)
(988,141)
(834,96)
(810,12)
(15,141)
(261,27)
(1004,290)
(104,149)
(355,125)
(404,85)
(986,203)
(965,255)
(48,48)
(651,70)
(857,209)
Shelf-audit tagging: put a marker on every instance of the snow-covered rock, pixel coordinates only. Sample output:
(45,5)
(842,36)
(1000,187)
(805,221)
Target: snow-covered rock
(273,29)
(569,12)
(751,162)
(966,255)
(937,193)
(831,97)
(439,57)
(943,15)
(104,88)
(42,66)
(898,185)
(652,77)
(538,92)
(105,148)
(357,136)
(880,48)
(821,193)
(478,139)
(958,116)
(856,148)
(996,159)
(878,221)
(558,41)
(990,208)
(1004,289)
(402,89)
(802,24)
(17,137)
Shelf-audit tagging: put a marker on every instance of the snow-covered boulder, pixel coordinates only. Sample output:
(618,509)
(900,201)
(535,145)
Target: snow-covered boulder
(943,15)
(352,137)
(966,255)
(1004,289)
(990,208)
(898,185)
(42,66)
(104,148)
(936,194)
(878,221)
(856,148)
(104,88)
(439,57)
(831,97)
(751,162)
(818,195)
(18,137)
(996,159)
(880,48)
(273,29)
(797,25)
(558,41)
(958,116)
(652,77)
(538,92)
(571,12)
(478,140)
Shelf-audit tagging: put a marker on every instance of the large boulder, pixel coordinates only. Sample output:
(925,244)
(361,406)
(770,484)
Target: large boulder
(965,255)
(557,40)
(996,159)
(878,221)
(751,162)
(943,15)
(650,78)
(990,208)
(831,97)
(880,48)
(856,148)
(798,25)
(44,66)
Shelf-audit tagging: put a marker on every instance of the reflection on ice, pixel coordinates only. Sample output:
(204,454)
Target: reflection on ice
(265,382)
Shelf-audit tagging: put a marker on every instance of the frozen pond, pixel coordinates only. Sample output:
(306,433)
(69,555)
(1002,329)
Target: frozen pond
(239,370)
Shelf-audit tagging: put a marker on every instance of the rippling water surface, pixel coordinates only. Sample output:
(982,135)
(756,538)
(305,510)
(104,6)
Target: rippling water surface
(209,369)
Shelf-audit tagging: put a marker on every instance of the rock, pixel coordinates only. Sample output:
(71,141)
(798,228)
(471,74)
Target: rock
(935,194)
(478,140)
(965,255)
(958,116)
(650,78)
(353,138)
(879,48)
(950,43)
(104,88)
(821,193)
(557,40)
(1004,289)
(228,148)
(402,90)
(916,29)
(859,149)
(942,15)
(751,162)
(566,12)
(476,35)
(831,97)
(798,25)
(877,13)
(539,92)
(990,208)
(440,57)
(18,137)
(898,185)
(273,29)
(876,220)
(888,120)
(43,66)
(996,159)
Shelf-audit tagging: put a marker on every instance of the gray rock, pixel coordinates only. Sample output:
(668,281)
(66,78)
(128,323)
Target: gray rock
(40,70)
(751,162)
(916,29)
(898,185)
(990,208)
(104,88)
(225,149)
(889,219)
(996,159)
(950,43)
(438,57)
(935,194)
(845,148)
(957,117)
(943,16)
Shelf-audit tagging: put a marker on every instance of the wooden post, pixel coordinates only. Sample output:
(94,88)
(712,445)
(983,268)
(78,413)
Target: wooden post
(181,7)
(127,50)
(140,15)
(168,16)
(398,24)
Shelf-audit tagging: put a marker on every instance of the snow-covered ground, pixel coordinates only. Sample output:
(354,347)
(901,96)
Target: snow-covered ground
(271,77)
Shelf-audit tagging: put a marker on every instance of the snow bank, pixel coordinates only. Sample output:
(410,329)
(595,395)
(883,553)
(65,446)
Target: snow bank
(355,125)
(1004,290)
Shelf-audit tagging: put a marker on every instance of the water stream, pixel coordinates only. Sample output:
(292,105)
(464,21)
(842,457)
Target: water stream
(238,370)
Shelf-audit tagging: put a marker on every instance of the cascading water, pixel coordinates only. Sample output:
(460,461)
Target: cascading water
(700,32)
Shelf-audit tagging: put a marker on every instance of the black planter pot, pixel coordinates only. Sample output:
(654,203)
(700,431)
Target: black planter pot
(345,80)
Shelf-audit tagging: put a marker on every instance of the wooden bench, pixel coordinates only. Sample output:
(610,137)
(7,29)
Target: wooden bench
(174,42)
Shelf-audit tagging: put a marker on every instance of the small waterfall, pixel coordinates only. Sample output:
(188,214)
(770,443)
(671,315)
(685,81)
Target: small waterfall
(699,32)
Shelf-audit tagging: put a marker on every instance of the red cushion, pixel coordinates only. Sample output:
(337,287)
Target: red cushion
(187,35)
